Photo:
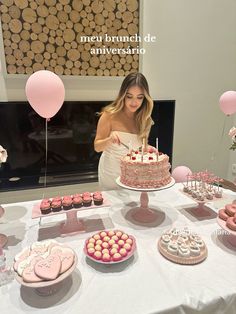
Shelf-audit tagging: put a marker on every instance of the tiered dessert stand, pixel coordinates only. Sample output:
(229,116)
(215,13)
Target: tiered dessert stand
(144,213)
(72,225)
(202,184)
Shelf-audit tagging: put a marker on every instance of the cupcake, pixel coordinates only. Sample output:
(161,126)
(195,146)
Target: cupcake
(45,207)
(76,195)
(87,201)
(85,194)
(56,205)
(77,202)
(67,202)
(97,198)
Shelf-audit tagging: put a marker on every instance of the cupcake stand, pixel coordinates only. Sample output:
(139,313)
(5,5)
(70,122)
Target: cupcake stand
(72,225)
(50,287)
(144,213)
(231,235)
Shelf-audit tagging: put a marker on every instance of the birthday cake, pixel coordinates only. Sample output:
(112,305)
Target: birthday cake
(150,169)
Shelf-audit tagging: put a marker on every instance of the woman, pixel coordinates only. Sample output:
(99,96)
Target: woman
(124,123)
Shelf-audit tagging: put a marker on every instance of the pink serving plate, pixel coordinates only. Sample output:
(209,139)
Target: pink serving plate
(131,253)
(47,283)
(222,223)
(183,260)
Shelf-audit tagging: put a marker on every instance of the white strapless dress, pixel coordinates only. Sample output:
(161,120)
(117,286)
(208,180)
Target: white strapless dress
(109,163)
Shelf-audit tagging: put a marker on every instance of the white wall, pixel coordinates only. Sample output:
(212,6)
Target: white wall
(193,61)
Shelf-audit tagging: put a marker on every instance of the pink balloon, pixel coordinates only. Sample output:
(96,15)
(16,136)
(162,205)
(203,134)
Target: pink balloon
(45,92)
(180,173)
(228,102)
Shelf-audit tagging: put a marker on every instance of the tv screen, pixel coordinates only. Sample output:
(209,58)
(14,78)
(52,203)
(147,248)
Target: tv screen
(70,134)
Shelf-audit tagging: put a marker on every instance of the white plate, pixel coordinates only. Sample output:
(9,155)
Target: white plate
(172,182)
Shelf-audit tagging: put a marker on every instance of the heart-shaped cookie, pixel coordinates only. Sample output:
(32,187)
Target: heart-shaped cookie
(48,268)
(66,255)
(22,255)
(20,265)
(29,275)
(67,261)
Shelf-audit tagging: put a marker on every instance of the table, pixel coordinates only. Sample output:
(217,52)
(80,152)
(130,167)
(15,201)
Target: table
(146,283)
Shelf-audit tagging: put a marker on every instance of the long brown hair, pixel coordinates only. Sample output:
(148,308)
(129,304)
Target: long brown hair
(143,115)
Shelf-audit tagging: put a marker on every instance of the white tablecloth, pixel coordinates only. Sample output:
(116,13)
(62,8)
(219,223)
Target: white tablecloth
(146,283)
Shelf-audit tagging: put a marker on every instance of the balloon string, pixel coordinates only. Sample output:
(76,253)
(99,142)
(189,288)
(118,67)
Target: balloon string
(216,151)
(46,155)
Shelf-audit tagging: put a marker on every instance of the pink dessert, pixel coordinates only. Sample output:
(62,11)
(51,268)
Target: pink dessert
(45,207)
(97,198)
(231,223)
(56,205)
(57,198)
(87,201)
(230,209)
(102,247)
(77,202)
(222,214)
(85,194)
(148,170)
(67,203)
(44,260)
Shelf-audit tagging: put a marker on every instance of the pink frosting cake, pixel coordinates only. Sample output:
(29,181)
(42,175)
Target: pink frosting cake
(150,170)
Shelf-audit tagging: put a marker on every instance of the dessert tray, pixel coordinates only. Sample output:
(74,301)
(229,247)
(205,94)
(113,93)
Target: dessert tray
(204,200)
(44,265)
(202,187)
(36,212)
(182,247)
(110,247)
(72,225)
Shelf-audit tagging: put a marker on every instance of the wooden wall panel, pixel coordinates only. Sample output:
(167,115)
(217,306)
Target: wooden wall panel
(46,34)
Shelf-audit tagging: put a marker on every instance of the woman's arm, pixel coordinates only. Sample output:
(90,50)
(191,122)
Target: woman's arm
(105,136)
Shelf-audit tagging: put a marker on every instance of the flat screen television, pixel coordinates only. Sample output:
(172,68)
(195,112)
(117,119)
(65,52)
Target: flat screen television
(70,134)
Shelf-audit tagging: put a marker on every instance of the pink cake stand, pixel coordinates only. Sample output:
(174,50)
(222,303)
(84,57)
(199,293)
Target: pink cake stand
(144,213)
(72,225)
(50,287)
(231,237)
(3,237)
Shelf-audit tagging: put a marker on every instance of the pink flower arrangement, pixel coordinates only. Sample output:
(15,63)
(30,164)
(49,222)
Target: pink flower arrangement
(232,134)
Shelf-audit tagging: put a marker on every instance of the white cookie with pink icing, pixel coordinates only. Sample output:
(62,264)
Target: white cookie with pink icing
(48,268)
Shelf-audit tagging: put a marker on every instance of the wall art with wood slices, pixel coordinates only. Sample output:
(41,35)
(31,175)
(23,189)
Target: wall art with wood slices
(71,37)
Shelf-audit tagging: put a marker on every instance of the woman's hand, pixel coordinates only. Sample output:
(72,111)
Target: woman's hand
(114,138)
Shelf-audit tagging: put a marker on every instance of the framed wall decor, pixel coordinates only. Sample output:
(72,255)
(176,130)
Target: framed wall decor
(71,37)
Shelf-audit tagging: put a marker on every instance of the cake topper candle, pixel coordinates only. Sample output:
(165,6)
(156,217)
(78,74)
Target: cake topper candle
(143,145)
(130,150)
(157,144)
